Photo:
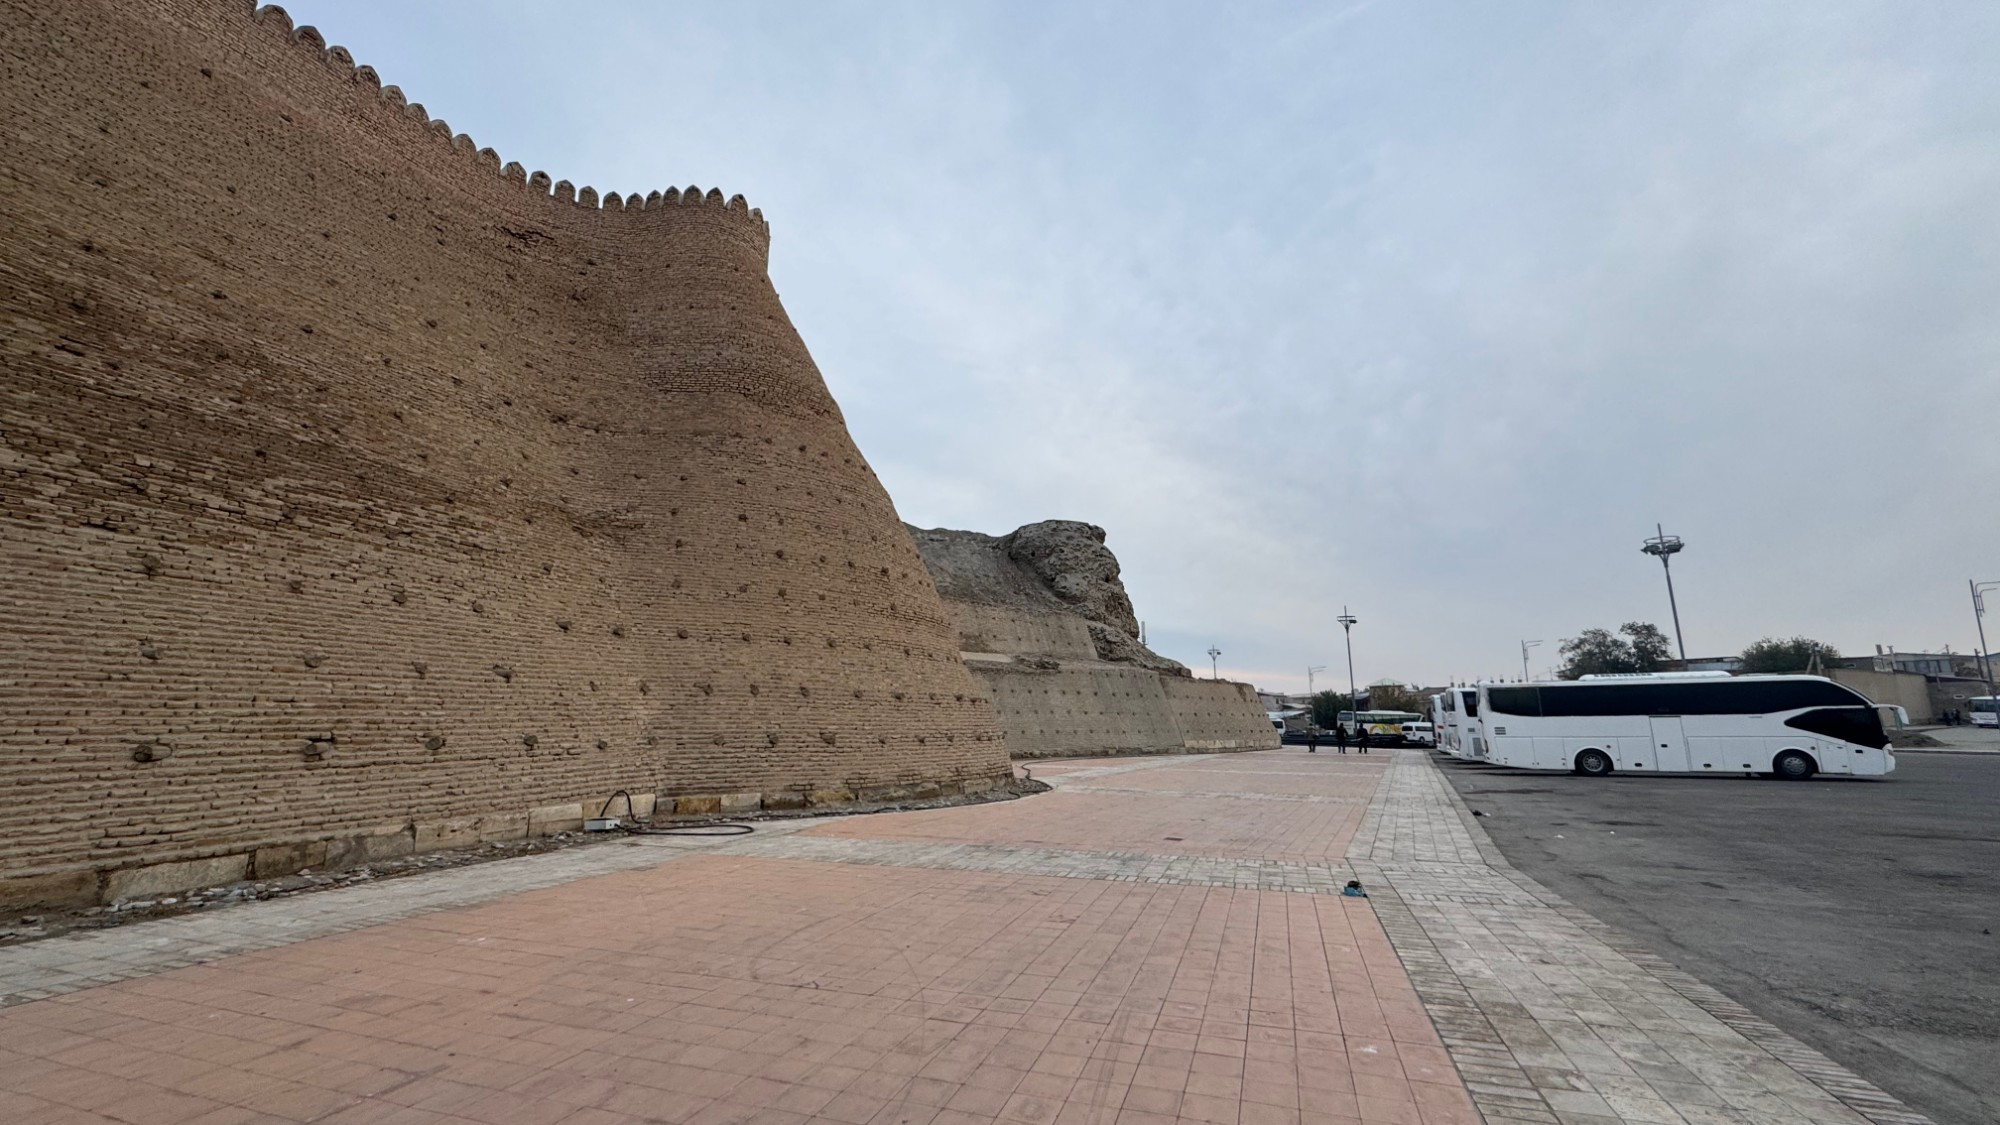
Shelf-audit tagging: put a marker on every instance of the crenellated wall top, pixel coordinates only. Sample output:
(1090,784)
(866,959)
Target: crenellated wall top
(427,129)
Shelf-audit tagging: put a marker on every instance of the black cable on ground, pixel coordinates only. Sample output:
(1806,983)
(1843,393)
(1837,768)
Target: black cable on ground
(640,827)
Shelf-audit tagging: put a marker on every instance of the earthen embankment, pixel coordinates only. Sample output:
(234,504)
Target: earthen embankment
(1044,622)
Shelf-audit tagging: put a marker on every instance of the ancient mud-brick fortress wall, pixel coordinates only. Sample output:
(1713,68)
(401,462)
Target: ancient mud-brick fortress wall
(1044,622)
(360,494)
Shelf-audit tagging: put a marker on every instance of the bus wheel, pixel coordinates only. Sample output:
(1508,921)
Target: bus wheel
(1793,765)
(1593,763)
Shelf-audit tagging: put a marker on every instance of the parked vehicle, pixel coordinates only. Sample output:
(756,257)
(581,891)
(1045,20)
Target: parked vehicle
(1982,710)
(1787,726)
(1419,734)
(1385,728)
(1458,723)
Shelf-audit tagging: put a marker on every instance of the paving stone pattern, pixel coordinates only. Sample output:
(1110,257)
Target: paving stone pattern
(778,981)
(1554,1017)
(1129,867)
(844,971)
(83,959)
(1155,792)
(1190,805)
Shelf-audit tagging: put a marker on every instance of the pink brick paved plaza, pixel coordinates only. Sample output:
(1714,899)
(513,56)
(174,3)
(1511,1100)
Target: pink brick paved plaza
(725,989)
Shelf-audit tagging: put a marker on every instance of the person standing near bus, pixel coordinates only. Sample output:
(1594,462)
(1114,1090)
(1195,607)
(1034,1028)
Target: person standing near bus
(1340,736)
(1361,740)
(1312,740)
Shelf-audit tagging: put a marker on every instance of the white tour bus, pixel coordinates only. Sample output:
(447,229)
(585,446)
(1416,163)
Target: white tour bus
(1788,726)
(1385,728)
(1458,723)
(1983,710)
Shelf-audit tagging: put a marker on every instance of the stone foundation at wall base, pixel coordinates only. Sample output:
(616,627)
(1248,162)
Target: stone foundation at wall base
(109,884)
(853,798)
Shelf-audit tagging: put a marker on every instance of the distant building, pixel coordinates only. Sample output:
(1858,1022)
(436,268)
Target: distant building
(1968,665)
(1920,663)
(1290,720)
(1713,664)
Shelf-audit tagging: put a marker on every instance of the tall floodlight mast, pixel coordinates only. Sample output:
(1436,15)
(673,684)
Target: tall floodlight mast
(1979,618)
(1663,547)
(1347,621)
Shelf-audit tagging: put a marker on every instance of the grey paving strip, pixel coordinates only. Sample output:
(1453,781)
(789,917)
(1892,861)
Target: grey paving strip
(1554,1017)
(1008,859)
(87,958)
(1306,798)
(1059,780)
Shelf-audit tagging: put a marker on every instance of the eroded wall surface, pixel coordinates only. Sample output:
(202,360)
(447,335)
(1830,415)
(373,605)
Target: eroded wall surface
(359,493)
(1044,622)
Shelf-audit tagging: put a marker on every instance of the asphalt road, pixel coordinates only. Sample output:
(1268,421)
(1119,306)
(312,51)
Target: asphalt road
(1860,915)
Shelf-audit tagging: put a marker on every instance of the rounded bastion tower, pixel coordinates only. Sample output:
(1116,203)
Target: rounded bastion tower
(362,493)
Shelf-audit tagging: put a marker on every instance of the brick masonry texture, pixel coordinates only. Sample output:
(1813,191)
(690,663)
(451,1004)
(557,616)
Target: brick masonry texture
(359,494)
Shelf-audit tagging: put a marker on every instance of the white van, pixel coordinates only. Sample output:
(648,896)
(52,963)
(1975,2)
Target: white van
(1420,734)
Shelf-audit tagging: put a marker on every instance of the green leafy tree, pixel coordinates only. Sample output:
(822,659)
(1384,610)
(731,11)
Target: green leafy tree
(1327,706)
(1651,651)
(1638,646)
(1795,655)
(1596,652)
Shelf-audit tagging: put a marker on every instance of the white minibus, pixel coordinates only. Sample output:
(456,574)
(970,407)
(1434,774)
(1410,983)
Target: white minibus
(1983,710)
(1787,726)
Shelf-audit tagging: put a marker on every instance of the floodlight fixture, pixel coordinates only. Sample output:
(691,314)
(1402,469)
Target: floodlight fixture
(1663,547)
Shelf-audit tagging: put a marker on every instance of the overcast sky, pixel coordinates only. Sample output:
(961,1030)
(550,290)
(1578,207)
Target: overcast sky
(1429,310)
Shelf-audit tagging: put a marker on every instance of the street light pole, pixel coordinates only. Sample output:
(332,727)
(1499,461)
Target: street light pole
(1979,617)
(1311,671)
(1347,621)
(1214,654)
(1525,646)
(1663,547)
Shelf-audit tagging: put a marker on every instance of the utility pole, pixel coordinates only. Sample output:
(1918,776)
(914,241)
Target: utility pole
(1347,622)
(1525,646)
(1979,617)
(1663,547)
(1214,654)
(1311,671)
